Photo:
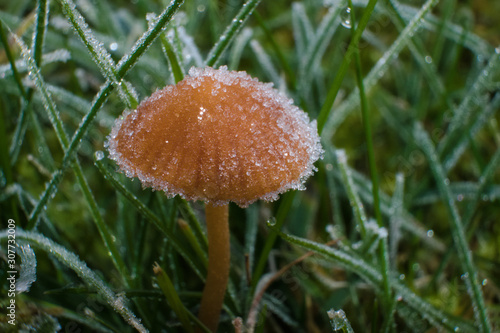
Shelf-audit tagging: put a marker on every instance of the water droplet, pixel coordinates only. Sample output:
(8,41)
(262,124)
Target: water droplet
(113,46)
(271,222)
(460,197)
(456,329)
(486,73)
(428,59)
(430,233)
(464,276)
(329,167)
(497,50)
(447,182)
(201,8)
(99,155)
(484,282)
(346,18)
(402,276)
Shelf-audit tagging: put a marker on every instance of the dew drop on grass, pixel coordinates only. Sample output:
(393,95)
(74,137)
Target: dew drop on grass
(99,155)
(271,222)
(113,46)
(430,233)
(428,59)
(345,18)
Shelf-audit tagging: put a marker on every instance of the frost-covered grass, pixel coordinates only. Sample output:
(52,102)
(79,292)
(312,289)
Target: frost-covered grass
(397,231)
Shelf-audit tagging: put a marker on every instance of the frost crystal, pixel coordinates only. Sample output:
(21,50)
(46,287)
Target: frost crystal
(217,136)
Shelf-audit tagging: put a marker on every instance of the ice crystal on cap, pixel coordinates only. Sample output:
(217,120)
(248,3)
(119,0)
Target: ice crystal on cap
(217,136)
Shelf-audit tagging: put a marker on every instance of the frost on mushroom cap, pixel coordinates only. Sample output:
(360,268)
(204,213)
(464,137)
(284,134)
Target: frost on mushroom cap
(217,136)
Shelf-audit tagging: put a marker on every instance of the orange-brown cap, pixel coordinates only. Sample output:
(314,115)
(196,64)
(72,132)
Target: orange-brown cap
(217,136)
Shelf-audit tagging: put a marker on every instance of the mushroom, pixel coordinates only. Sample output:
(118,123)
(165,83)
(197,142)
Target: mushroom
(217,136)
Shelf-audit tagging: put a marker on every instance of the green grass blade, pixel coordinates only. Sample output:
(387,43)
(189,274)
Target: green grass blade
(356,204)
(239,45)
(369,273)
(231,32)
(98,52)
(125,64)
(339,77)
(41,26)
(377,72)
(172,297)
(63,140)
(383,255)
(71,260)
(173,60)
(470,271)
(149,216)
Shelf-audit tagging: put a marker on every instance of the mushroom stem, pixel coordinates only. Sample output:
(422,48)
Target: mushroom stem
(218,265)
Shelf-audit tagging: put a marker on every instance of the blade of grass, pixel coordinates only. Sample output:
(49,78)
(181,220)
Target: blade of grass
(383,255)
(150,217)
(125,64)
(283,209)
(172,297)
(279,53)
(364,269)
(173,60)
(71,260)
(377,72)
(356,204)
(457,228)
(230,32)
(265,62)
(57,124)
(98,52)
(339,77)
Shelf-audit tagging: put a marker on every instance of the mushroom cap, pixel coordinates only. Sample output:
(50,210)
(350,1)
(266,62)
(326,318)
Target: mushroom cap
(217,136)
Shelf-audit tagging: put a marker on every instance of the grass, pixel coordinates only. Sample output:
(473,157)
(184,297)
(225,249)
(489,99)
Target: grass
(397,230)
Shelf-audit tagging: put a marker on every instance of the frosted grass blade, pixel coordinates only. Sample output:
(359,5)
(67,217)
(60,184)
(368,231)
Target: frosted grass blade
(71,260)
(470,272)
(356,204)
(339,77)
(42,12)
(395,219)
(265,62)
(339,321)
(237,50)
(451,30)
(461,143)
(172,57)
(190,50)
(127,62)
(461,116)
(302,28)
(352,263)
(63,140)
(419,53)
(231,32)
(318,43)
(149,216)
(27,270)
(60,55)
(98,52)
(377,72)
